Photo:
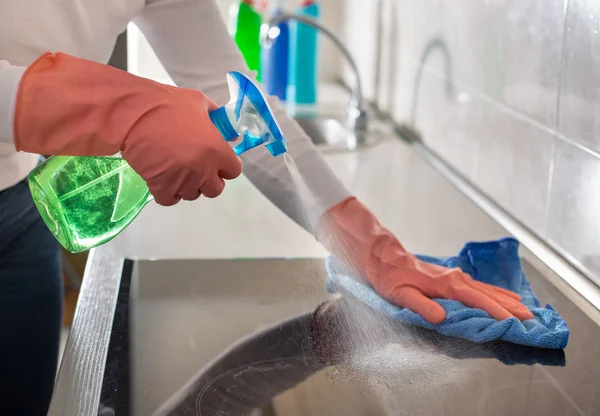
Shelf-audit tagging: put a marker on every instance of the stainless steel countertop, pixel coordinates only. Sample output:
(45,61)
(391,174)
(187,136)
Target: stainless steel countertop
(416,196)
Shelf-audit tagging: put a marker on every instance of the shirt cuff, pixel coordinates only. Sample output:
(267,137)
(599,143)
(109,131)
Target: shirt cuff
(10,76)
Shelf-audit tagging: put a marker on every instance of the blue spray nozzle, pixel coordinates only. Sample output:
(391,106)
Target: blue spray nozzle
(248,114)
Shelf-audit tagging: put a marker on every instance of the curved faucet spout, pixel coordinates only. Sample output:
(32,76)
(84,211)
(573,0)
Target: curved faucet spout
(357,118)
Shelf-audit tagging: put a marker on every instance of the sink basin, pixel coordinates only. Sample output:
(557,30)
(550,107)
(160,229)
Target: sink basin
(324,131)
(331,136)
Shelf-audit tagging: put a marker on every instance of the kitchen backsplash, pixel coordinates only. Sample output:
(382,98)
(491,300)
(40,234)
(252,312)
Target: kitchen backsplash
(508,92)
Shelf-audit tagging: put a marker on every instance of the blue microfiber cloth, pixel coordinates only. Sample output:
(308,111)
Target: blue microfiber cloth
(493,262)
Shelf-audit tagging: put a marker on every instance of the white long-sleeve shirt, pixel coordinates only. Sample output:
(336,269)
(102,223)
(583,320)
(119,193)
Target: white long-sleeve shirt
(191,41)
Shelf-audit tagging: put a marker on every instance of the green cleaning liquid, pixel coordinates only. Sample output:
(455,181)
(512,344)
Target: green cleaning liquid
(87,201)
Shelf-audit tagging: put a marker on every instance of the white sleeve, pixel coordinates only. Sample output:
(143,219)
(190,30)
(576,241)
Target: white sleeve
(192,42)
(10,77)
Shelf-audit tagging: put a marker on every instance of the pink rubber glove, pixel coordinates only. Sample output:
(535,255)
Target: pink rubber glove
(353,234)
(71,106)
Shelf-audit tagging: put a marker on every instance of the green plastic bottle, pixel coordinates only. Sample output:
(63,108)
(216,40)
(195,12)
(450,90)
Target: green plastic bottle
(87,201)
(244,26)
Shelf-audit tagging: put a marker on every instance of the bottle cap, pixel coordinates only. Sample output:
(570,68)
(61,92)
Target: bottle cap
(262,5)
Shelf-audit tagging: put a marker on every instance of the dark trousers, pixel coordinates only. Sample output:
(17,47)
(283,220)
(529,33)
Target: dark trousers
(30,306)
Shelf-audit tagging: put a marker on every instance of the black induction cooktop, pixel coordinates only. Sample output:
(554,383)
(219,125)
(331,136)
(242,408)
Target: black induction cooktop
(263,338)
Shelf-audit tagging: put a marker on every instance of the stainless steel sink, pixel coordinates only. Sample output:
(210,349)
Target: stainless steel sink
(324,131)
(330,135)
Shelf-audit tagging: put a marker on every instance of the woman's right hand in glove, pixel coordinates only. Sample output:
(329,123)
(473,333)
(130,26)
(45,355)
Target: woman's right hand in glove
(71,106)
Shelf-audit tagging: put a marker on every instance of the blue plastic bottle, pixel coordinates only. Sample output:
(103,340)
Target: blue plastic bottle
(274,59)
(302,74)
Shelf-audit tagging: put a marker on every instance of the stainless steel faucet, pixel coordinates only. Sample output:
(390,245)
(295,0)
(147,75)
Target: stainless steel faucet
(356,122)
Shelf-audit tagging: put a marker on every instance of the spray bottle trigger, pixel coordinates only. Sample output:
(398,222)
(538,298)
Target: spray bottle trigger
(221,121)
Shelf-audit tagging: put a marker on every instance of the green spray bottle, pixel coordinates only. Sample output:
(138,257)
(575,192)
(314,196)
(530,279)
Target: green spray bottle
(87,201)
(244,27)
